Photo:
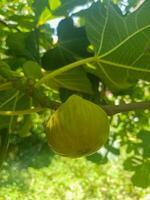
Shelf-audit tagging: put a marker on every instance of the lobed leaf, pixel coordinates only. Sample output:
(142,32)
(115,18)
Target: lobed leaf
(121,42)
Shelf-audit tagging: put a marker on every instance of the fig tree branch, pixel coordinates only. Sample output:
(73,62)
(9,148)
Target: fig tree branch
(109,109)
(115,109)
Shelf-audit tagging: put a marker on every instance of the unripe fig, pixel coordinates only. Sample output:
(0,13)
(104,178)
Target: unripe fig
(78,128)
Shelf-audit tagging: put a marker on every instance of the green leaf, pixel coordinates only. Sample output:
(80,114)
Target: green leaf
(16,44)
(75,80)
(23,21)
(34,152)
(53,4)
(145,138)
(7,104)
(131,4)
(32,70)
(38,7)
(116,80)
(23,103)
(132,163)
(121,42)
(65,94)
(97,158)
(113,150)
(6,97)
(67,51)
(45,36)
(42,12)
(141,168)
(23,45)
(5,70)
(141,178)
(45,16)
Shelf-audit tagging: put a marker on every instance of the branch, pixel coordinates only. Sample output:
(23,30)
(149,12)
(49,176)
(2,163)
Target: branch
(109,109)
(113,109)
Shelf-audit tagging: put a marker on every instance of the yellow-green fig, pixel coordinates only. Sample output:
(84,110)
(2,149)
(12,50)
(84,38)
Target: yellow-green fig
(78,128)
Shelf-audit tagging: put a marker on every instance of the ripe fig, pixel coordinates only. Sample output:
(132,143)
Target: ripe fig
(78,128)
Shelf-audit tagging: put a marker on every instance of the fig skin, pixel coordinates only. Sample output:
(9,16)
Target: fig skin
(78,128)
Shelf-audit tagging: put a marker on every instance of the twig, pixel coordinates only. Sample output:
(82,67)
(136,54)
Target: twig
(66,68)
(109,109)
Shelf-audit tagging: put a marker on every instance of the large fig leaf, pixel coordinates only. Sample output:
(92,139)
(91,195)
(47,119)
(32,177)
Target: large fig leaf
(22,45)
(66,51)
(121,42)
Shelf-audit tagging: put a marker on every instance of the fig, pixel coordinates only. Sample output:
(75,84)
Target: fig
(77,128)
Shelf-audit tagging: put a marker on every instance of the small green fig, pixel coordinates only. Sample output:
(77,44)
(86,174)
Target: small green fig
(78,128)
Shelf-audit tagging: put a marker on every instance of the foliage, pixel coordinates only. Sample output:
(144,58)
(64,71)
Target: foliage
(64,178)
(101,52)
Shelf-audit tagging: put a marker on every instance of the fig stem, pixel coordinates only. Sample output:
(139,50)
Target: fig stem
(66,68)
(115,109)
